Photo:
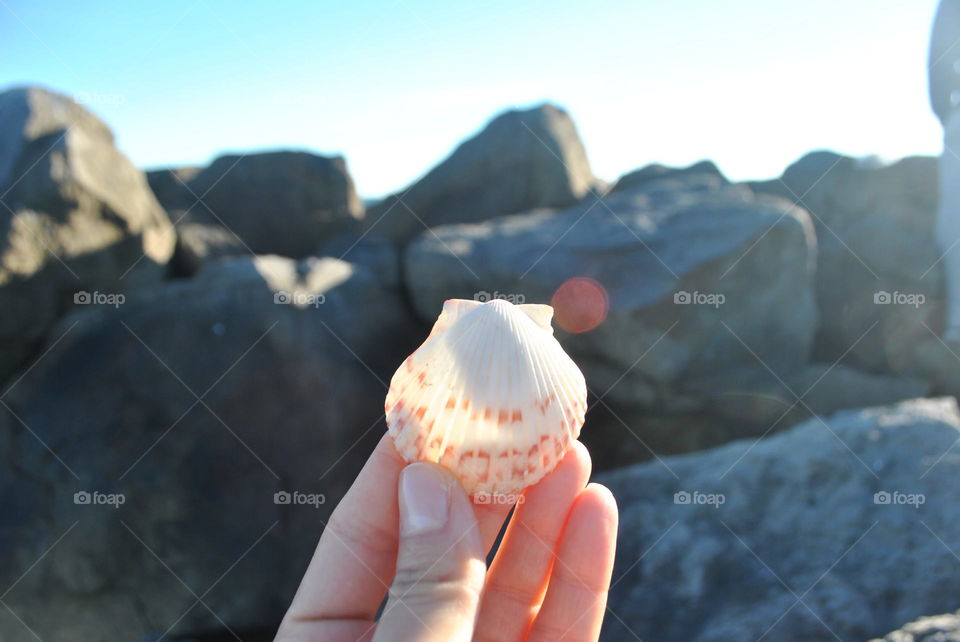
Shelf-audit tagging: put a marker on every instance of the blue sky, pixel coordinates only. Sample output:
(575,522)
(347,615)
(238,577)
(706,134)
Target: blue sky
(395,85)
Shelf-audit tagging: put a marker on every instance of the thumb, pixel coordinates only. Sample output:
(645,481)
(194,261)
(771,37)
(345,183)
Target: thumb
(440,563)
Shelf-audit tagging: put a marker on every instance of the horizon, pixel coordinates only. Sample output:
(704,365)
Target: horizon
(198,79)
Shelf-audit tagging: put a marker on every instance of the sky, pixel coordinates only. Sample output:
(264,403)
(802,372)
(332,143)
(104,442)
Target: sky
(394,86)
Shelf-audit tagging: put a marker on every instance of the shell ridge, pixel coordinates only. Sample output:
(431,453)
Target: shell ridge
(544,357)
(574,388)
(541,419)
(467,332)
(443,423)
(514,448)
(569,388)
(481,352)
(502,388)
(429,402)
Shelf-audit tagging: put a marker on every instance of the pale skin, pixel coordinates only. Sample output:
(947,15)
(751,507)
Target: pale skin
(548,580)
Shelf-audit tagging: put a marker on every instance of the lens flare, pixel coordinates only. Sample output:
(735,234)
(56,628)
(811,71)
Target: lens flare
(580,304)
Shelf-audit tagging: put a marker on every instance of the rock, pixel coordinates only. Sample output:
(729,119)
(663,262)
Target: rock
(281,202)
(706,169)
(696,281)
(288,361)
(171,187)
(77,217)
(879,283)
(523,159)
(735,404)
(628,435)
(198,239)
(936,361)
(760,400)
(370,250)
(933,628)
(857,521)
(199,243)
(804,173)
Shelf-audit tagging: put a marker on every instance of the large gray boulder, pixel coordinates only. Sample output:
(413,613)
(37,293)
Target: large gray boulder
(700,279)
(522,159)
(198,400)
(202,243)
(281,202)
(841,529)
(656,171)
(198,239)
(171,186)
(737,403)
(371,250)
(75,216)
(879,282)
(758,400)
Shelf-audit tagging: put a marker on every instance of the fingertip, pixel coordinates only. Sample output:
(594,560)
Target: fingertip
(600,503)
(577,593)
(582,457)
(448,479)
(602,494)
(440,562)
(462,506)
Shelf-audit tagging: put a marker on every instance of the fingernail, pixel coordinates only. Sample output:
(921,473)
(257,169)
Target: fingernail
(424,499)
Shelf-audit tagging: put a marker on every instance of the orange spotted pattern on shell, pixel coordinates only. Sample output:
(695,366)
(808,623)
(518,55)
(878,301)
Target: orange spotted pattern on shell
(490,394)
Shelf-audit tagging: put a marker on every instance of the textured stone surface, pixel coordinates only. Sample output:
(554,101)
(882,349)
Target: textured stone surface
(171,186)
(521,160)
(75,216)
(282,202)
(855,517)
(705,169)
(879,279)
(698,281)
(198,400)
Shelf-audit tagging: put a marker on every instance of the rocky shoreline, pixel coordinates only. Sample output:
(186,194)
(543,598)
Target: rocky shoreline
(199,340)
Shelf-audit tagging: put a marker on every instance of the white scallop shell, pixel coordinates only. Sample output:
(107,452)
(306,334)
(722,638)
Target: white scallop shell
(490,394)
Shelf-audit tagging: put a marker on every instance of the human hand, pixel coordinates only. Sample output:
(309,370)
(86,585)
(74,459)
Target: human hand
(413,529)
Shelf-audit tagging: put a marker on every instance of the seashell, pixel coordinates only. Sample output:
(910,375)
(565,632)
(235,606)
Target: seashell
(490,394)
